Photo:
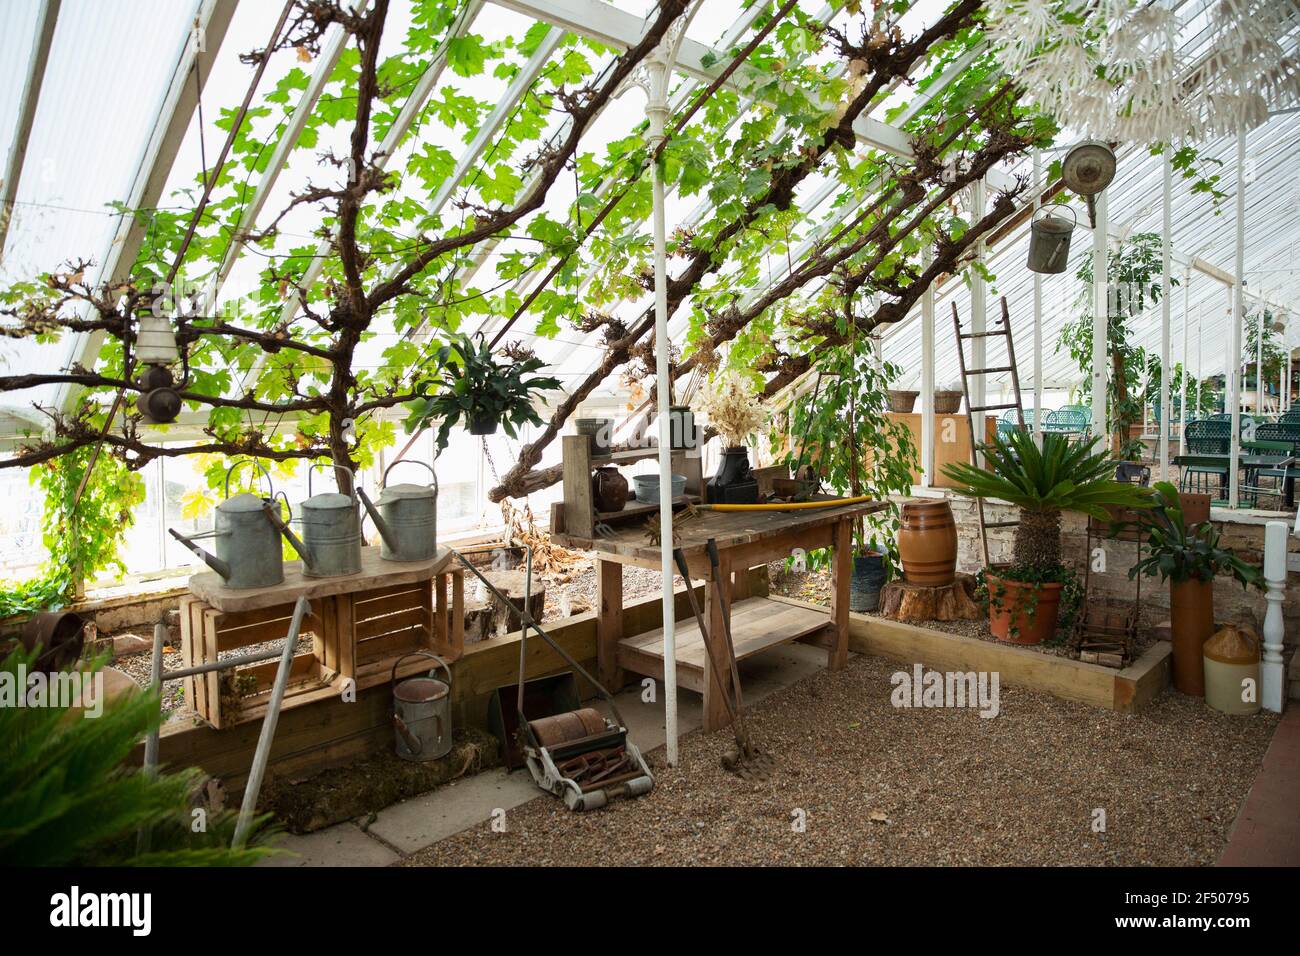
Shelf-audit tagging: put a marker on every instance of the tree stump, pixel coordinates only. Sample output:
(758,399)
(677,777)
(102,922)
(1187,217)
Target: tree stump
(482,617)
(904,601)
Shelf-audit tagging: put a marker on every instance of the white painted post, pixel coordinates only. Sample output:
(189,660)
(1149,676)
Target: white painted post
(659,74)
(1272,680)
(1187,377)
(1038,314)
(1234,328)
(927,376)
(1259,358)
(1166,412)
(1286,388)
(1100,318)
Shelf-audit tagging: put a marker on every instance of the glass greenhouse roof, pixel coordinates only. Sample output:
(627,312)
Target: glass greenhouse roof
(100,138)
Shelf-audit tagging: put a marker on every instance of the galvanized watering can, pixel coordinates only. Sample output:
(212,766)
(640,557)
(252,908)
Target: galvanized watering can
(406,516)
(422,712)
(247,540)
(1049,240)
(331,531)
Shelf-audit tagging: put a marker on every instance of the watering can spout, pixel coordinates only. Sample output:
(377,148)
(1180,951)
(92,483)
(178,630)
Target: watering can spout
(212,561)
(273,515)
(385,531)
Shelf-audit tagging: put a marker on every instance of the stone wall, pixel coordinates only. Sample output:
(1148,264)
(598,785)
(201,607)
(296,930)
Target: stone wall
(1244,534)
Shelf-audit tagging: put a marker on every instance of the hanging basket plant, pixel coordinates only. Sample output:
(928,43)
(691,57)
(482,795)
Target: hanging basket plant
(477,389)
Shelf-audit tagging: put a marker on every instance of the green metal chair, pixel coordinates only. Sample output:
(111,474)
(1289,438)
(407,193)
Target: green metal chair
(1206,437)
(1010,416)
(1070,420)
(1281,438)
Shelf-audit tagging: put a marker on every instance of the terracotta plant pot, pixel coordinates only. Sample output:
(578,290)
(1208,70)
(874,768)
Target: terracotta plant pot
(927,543)
(1011,622)
(1191,615)
(947,403)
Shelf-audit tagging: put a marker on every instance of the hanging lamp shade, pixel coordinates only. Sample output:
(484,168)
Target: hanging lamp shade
(156,341)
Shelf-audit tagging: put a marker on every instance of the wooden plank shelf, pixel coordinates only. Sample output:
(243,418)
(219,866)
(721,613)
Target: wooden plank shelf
(636,509)
(629,455)
(757,624)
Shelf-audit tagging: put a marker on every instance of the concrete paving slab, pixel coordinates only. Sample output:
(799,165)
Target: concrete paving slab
(340,845)
(414,824)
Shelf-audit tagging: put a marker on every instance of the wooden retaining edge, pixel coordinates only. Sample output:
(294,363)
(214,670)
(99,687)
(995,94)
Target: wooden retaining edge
(1126,690)
(331,731)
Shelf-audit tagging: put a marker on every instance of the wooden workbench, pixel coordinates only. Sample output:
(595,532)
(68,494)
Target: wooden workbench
(744,540)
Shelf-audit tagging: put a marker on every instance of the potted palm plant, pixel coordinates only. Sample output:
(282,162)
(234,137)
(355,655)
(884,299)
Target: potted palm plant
(480,390)
(1189,557)
(1025,598)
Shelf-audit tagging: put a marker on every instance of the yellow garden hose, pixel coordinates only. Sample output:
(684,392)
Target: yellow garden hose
(788,506)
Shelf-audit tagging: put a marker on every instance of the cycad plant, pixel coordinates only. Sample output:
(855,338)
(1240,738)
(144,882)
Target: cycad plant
(67,797)
(1061,476)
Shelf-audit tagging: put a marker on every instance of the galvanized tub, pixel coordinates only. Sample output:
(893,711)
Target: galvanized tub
(422,712)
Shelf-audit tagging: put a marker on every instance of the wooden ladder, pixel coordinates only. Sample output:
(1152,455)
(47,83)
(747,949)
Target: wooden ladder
(1002,328)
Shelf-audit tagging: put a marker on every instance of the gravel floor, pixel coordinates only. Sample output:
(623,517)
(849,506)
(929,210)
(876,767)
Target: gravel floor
(881,785)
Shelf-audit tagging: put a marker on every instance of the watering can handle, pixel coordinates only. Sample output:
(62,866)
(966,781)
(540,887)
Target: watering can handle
(1054,205)
(412,461)
(337,468)
(287,507)
(421,653)
(260,468)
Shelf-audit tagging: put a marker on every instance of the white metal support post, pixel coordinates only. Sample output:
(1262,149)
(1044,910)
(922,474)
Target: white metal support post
(1187,377)
(1166,289)
(927,376)
(654,80)
(1234,327)
(1038,313)
(1100,321)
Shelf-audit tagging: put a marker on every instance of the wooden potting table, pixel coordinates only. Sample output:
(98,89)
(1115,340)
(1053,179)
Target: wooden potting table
(745,540)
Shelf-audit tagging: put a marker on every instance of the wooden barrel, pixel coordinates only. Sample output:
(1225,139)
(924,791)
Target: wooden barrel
(927,543)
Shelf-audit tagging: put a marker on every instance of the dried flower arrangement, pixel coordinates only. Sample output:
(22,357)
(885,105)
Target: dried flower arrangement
(733,409)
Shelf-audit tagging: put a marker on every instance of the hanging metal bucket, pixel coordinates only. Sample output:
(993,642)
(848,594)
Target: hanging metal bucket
(1049,240)
(422,712)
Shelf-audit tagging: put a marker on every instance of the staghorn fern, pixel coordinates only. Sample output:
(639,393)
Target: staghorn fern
(66,796)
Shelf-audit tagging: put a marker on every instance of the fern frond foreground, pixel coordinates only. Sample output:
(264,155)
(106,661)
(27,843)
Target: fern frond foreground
(68,797)
(1061,476)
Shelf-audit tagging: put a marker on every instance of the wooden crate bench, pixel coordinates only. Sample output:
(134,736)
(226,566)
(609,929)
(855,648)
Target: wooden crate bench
(400,619)
(225,698)
(359,626)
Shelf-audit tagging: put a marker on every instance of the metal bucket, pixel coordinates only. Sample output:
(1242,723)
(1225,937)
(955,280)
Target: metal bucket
(1049,241)
(422,712)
